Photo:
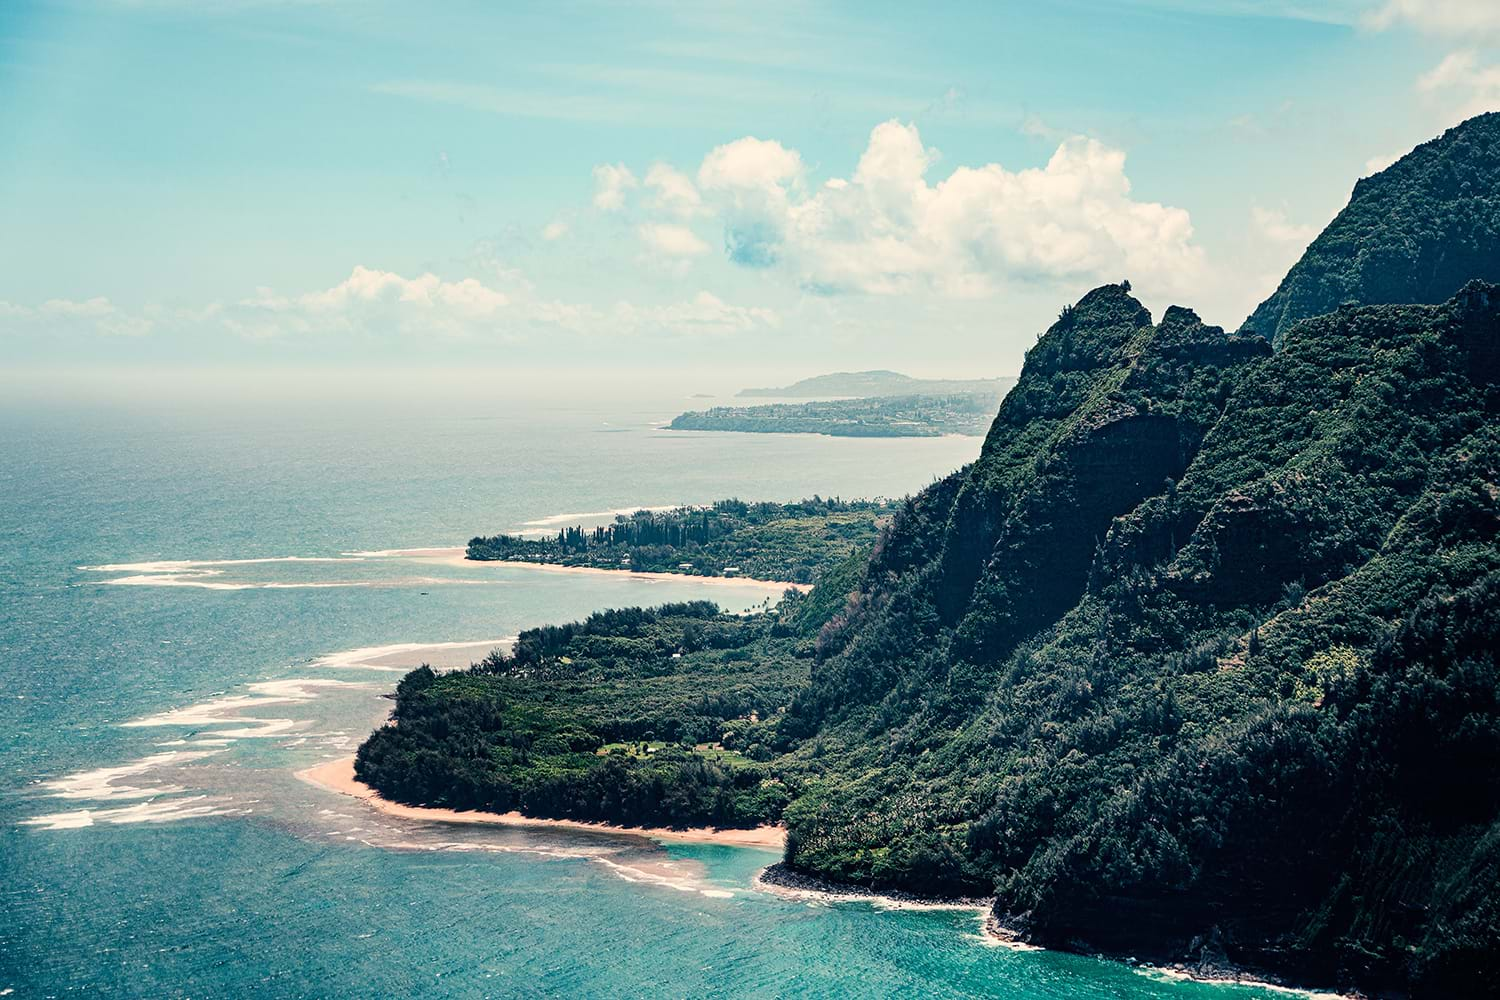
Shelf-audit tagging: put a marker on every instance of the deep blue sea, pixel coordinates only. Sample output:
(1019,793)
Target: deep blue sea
(200,598)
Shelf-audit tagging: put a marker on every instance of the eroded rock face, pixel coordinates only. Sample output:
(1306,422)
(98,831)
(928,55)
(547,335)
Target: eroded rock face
(1113,667)
(1156,396)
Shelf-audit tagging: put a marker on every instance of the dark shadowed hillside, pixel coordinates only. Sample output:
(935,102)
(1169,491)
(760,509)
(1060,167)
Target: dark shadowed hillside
(1415,232)
(1197,660)
(1149,667)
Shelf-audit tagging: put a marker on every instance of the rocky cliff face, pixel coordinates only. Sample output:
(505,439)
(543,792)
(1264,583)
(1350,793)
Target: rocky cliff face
(1163,666)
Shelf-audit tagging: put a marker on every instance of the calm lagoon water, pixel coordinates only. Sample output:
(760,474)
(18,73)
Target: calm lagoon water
(166,667)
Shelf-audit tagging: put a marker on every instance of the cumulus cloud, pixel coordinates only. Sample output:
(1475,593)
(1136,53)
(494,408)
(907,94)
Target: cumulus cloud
(611,182)
(672,240)
(365,285)
(372,304)
(1465,78)
(754,184)
(674,193)
(553,231)
(886,229)
(67,316)
(1467,81)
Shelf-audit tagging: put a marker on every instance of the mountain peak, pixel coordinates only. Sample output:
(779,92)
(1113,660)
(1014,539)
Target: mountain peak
(1413,233)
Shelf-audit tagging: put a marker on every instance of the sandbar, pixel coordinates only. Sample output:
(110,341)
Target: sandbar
(338,776)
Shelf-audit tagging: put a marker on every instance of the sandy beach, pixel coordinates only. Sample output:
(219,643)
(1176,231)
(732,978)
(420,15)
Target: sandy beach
(455,556)
(338,776)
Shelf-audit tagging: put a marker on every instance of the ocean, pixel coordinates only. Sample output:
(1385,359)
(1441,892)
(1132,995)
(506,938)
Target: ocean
(201,596)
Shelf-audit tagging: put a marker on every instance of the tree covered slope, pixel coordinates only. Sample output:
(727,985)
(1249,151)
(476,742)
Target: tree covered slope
(1197,660)
(1199,654)
(1415,232)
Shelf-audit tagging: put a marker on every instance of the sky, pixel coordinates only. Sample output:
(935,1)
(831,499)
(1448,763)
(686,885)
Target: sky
(770,188)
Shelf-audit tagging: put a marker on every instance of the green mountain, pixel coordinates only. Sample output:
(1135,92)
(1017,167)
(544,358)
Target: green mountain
(1414,232)
(1197,659)
(1196,662)
(880,383)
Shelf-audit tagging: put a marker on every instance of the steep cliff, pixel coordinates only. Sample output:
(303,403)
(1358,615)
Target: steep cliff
(1414,233)
(1197,659)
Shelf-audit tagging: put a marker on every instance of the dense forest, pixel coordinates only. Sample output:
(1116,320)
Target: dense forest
(789,542)
(1415,232)
(642,717)
(879,416)
(1195,662)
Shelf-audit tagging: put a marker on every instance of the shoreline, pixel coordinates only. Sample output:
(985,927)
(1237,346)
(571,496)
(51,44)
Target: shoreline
(1230,977)
(790,884)
(338,776)
(457,556)
(723,581)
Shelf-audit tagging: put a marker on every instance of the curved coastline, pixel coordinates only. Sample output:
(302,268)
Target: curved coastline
(783,880)
(457,556)
(789,883)
(338,776)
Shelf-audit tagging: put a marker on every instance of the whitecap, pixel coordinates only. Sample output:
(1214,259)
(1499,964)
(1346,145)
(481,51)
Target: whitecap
(166,811)
(228,710)
(101,783)
(182,565)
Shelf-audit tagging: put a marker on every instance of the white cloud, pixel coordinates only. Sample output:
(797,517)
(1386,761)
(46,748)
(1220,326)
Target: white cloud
(1380,161)
(705,314)
(1273,225)
(89,309)
(611,181)
(749,164)
(1452,18)
(365,285)
(886,230)
(1454,69)
(372,302)
(59,316)
(1465,83)
(553,231)
(672,240)
(675,193)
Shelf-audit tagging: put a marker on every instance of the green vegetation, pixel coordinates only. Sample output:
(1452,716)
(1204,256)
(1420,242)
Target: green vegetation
(882,383)
(1195,662)
(1150,666)
(642,717)
(790,542)
(1415,232)
(881,416)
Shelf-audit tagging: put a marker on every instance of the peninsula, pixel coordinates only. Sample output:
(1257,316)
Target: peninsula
(788,542)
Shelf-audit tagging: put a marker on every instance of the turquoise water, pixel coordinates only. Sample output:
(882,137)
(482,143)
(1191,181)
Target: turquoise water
(161,691)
